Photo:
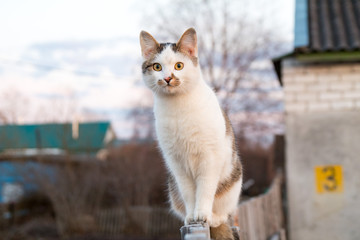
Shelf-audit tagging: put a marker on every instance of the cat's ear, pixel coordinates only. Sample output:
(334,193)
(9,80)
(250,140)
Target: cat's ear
(188,43)
(148,44)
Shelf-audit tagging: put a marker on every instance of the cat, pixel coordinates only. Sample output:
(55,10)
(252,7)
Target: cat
(194,134)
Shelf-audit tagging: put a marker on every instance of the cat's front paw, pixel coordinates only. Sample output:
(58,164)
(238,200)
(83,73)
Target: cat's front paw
(189,219)
(217,220)
(203,216)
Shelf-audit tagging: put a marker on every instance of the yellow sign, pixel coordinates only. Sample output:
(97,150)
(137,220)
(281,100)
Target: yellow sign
(329,179)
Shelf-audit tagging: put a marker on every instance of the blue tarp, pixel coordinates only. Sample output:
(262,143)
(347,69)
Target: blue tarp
(22,173)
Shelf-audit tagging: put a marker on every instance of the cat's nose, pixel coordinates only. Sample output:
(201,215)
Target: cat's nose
(168,79)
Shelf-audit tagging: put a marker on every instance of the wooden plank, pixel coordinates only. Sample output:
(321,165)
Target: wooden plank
(262,216)
(282,234)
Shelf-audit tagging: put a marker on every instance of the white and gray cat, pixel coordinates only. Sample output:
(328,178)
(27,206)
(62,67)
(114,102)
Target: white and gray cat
(194,134)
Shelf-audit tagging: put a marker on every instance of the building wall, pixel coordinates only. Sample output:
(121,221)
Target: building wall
(322,128)
(326,87)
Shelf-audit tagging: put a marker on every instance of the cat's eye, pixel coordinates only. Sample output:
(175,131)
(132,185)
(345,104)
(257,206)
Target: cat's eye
(157,67)
(179,66)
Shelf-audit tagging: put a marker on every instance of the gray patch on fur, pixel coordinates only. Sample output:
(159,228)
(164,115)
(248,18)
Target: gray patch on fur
(162,46)
(236,173)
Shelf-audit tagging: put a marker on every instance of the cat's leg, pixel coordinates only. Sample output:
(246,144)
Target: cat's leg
(176,201)
(186,188)
(225,204)
(206,185)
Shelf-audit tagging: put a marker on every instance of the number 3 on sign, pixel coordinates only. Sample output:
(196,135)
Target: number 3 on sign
(329,179)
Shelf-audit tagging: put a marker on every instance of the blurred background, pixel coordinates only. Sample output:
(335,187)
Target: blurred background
(78,152)
(79,61)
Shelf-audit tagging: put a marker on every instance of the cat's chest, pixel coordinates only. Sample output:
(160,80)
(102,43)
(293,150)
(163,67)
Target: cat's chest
(188,127)
(183,118)
(180,125)
(182,140)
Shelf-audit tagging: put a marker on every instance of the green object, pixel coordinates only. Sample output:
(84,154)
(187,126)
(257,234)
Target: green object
(329,56)
(89,138)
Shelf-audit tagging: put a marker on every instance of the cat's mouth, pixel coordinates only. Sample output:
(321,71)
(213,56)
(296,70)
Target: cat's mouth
(165,84)
(169,82)
(170,87)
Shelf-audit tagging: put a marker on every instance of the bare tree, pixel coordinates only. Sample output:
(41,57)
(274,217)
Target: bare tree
(75,189)
(137,174)
(60,109)
(13,106)
(231,39)
(142,118)
(143,122)
(16,108)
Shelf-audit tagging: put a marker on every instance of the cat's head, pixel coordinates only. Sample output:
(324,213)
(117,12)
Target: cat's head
(170,68)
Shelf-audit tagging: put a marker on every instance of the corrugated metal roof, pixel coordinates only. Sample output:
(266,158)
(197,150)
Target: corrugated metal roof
(325,31)
(91,136)
(334,25)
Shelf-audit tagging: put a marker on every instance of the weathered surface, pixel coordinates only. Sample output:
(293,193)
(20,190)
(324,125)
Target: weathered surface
(201,231)
(321,87)
(197,231)
(318,139)
(262,216)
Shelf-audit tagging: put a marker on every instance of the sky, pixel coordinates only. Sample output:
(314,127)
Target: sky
(81,58)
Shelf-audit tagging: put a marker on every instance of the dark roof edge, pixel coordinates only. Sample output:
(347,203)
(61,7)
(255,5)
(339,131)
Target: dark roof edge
(316,57)
(277,64)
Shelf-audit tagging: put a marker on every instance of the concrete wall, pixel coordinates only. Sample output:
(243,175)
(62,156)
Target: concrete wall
(322,128)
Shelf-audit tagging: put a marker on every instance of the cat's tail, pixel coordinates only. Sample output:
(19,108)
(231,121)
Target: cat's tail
(222,232)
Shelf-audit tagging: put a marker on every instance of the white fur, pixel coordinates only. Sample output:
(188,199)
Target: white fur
(191,131)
